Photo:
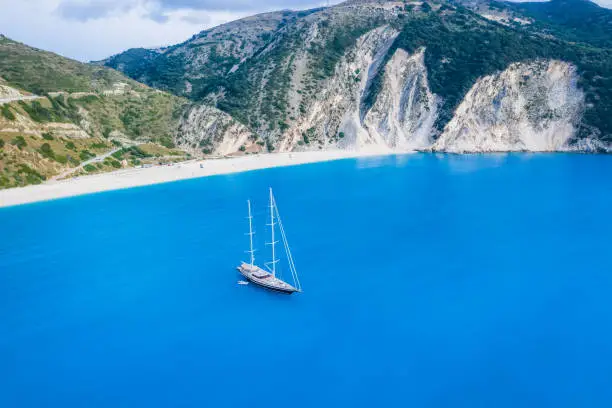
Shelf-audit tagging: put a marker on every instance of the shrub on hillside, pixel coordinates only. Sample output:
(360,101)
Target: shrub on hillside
(19,142)
(31,175)
(136,151)
(99,146)
(37,112)
(86,155)
(6,112)
(47,151)
(112,163)
(167,142)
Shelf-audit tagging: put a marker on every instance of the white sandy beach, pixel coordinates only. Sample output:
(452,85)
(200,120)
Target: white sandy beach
(163,174)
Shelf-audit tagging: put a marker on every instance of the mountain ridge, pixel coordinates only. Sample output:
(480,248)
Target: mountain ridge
(391,75)
(275,88)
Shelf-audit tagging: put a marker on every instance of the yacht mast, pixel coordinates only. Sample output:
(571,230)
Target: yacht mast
(294,274)
(250,234)
(273,242)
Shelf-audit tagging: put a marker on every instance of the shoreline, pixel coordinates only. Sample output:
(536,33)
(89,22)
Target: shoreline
(140,177)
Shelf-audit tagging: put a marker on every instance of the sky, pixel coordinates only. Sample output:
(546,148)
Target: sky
(89,30)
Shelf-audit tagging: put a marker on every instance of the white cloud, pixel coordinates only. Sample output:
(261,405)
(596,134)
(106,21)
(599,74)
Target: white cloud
(37,23)
(92,9)
(44,24)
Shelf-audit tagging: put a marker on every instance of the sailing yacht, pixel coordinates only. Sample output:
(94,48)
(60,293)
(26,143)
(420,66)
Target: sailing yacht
(268,278)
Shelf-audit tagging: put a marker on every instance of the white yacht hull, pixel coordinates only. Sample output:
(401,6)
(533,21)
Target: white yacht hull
(259,277)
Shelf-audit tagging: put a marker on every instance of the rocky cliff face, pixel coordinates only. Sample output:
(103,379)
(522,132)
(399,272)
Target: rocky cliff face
(333,118)
(205,128)
(8,93)
(533,106)
(403,115)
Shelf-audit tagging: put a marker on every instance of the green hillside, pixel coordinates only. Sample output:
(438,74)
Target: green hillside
(83,110)
(40,71)
(571,20)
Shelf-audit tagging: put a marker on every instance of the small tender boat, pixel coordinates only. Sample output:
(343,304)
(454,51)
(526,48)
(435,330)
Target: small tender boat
(241,282)
(268,278)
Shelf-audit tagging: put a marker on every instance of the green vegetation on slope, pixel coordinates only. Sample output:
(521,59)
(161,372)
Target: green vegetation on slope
(571,20)
(207,57)
(106,100)
(340,38)
(92,103)
(40,71)
(146,154)
(241,87)
(6,112)
(28,159)
(144,116)
(147,115)
(134,62)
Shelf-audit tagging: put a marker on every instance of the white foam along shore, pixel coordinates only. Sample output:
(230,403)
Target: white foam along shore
(137,177)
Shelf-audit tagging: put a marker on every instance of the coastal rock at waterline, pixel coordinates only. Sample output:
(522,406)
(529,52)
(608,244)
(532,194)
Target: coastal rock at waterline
(534,106)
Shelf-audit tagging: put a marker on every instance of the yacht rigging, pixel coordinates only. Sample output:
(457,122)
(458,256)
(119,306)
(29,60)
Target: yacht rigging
(269,278)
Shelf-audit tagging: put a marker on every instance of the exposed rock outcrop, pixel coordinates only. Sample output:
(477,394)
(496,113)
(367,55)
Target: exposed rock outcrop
(333,119)
(207,129)
(403,115)
(534,106)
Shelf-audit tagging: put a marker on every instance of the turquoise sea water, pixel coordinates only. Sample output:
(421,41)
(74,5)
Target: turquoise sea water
(430,281)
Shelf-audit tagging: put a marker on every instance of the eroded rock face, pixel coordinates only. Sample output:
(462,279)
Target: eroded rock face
(333,119)
(534,106)
(8,93)
(205,129)
(403,115)
(530,106)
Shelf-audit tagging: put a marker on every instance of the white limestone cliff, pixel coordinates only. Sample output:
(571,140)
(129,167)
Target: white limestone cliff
(403,115)
(534,106)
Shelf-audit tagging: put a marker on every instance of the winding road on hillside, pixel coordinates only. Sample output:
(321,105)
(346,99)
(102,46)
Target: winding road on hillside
(96,159)
(19,98)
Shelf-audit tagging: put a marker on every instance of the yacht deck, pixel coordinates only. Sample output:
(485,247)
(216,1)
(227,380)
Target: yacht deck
(264,278)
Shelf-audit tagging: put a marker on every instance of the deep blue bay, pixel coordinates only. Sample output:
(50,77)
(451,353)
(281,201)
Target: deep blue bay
(430,281)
